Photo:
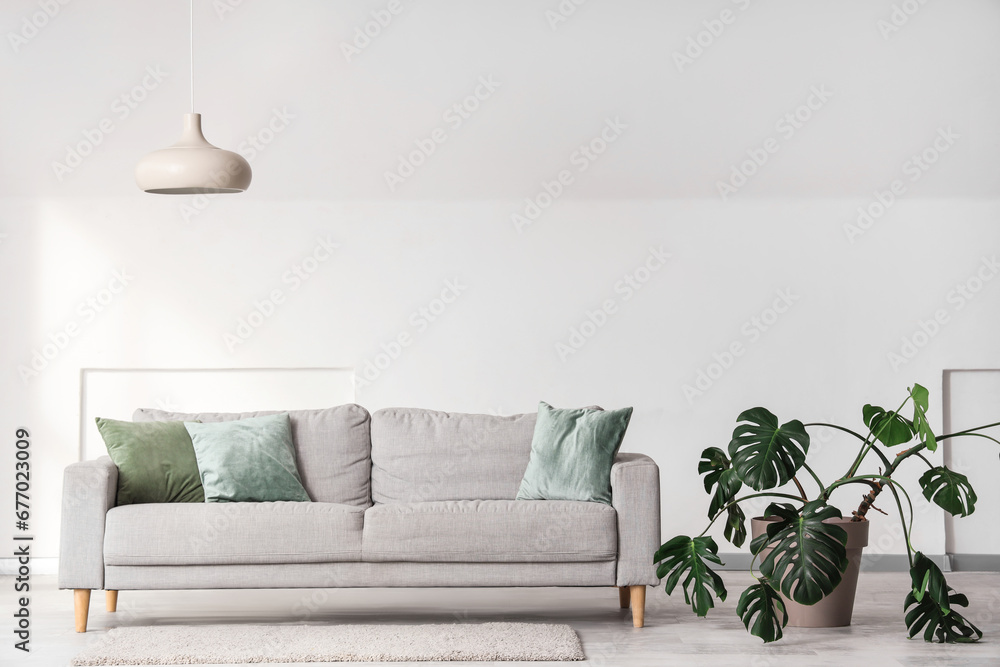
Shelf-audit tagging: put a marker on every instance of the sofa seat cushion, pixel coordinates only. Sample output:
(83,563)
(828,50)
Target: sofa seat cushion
(491,531)
(232,533)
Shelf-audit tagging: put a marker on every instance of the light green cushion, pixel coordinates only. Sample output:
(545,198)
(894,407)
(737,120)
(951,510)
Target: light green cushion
(572,452)
(156,462)
(247,460)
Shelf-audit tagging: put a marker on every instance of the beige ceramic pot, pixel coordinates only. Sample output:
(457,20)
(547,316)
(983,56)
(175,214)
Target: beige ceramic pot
(835,609)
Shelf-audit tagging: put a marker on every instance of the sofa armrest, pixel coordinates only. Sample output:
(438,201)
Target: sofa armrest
(89,491)
(635,495)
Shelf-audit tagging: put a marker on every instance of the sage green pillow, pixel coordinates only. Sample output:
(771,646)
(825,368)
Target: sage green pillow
(247,460)
(156,461)
(572,452)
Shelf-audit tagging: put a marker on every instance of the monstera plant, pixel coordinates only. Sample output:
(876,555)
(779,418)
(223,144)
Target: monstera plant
(803,552)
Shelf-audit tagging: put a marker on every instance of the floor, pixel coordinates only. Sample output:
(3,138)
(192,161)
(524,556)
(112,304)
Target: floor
(672,636)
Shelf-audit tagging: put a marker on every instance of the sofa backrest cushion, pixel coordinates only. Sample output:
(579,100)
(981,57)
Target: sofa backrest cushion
(332,448)
(423,455)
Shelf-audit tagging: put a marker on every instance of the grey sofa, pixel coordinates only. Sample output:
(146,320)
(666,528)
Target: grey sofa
(401,498)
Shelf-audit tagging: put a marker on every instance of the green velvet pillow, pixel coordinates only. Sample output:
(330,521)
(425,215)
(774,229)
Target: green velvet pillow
(156,461)
(572,452)
(247,460)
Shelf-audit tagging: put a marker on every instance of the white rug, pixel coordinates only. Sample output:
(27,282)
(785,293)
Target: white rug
(237,644)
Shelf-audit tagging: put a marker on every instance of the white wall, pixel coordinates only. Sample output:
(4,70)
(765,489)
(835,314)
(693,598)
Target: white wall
(194,272)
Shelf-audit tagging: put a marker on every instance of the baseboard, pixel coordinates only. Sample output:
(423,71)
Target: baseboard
(974,562)
(894,562)
(8,566)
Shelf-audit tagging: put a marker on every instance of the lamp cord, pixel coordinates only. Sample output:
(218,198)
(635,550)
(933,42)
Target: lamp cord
(192,53)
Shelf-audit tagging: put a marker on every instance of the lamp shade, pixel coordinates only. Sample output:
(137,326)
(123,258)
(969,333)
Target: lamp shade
(192,166)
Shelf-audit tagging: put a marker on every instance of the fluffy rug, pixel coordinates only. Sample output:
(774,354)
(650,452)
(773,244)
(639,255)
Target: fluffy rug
(236,644)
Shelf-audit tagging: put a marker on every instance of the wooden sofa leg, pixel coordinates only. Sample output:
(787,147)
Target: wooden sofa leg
(623,596)
(111,600)
(81,607)
(638,595)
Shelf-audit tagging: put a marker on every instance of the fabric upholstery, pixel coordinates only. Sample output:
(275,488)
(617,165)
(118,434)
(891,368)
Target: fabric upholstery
(423,455)
(497,531)
(215,546)
(357,575)
(332,448)
(89,489)
(232,533)
(572,452)
(247,460)
(635,495)
(155,461)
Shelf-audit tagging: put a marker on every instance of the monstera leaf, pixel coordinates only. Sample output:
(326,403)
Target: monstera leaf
(808,556)
(687,556)
(761,605)
(932,598)
(764,454)
(950,490)
(714,461)
(920,423)
(721,476)
(889,428)
(928,581)
(947,627)
(736,529)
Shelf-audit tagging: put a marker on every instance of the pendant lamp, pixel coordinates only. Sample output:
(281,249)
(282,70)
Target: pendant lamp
(192,165)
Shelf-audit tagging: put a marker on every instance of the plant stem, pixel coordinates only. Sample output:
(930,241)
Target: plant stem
(857,479)
(867,502)
(802,492)
(905,454)
(870,498)
(839,428)
(973,435)
(856,435)
(860,457)
(967,431)
(819,482)
(883,480)
(902,522)
(878,452)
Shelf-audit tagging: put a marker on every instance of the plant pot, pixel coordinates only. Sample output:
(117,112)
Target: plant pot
(835,609)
